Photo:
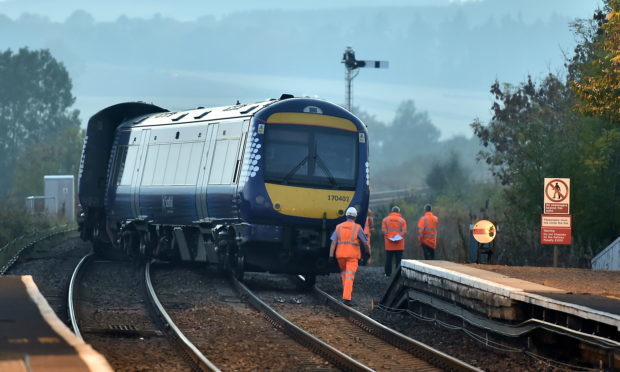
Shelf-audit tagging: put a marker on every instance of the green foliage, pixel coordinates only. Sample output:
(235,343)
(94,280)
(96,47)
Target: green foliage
(448,178)
(35,96)
(403,152)
(39,135)
(410,133)
(536,134)
(16,221)
(59,155)
(598,79)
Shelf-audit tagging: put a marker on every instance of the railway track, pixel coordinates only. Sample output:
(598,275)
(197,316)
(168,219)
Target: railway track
(15,251)
(186,295)
(358,345)
(205,306)
(392,337)
(107,306)
(209,311)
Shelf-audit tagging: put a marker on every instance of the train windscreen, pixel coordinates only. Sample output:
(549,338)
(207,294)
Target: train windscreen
(310,156)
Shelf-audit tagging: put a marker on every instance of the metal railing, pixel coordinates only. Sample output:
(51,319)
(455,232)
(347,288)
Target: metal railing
(379,198)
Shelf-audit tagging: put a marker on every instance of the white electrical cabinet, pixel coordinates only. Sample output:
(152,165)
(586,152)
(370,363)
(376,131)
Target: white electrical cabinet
(60,196)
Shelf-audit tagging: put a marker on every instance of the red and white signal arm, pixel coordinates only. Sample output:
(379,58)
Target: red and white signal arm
(484,231)
(557,196)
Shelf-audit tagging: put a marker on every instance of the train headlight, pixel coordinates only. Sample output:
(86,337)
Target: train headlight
(260,199)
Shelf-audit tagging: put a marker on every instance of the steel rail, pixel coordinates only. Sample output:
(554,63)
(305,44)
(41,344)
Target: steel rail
(407,344)
(15,257)
(188,347)
(71,301)
(335,356)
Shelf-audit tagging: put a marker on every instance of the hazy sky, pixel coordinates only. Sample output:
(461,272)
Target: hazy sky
(59,10)
(450,109)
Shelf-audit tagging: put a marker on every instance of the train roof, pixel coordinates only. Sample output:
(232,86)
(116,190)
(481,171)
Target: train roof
(199,114)
(239,110)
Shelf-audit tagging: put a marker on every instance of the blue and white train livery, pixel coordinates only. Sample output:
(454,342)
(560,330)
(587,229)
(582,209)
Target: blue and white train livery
(253,187)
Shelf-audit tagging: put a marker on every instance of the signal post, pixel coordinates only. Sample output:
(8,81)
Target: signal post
(351,64)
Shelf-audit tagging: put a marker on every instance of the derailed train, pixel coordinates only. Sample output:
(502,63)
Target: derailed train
(251,187)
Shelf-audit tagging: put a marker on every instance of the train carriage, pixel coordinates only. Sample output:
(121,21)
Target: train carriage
(253,187)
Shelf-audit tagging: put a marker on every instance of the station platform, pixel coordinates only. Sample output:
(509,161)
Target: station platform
(460,288)
(32,338)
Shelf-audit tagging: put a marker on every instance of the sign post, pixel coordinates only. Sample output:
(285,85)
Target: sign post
(484,232)
(556,222)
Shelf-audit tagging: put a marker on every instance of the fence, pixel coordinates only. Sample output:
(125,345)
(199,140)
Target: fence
(11,251)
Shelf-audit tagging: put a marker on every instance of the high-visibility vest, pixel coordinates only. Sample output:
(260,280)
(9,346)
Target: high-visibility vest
(368,227)
(348,243)
(392,225)
(427,229)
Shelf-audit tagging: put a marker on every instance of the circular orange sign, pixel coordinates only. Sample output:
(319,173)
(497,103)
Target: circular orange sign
(484,231)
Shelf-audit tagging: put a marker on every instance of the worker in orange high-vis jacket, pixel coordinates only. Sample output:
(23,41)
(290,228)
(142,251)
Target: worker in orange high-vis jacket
(427,232)
(394,228)
(345,247)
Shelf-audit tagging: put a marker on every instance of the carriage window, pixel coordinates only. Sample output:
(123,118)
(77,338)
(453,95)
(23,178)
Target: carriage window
(150,166)
(193,166)
(160,164)
(185,159)
(224,160)
(119,164)
(128,166)
(172,165)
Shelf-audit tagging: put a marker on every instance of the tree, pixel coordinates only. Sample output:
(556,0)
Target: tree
(535,133)
(59,155)
(448,178)
(411,132)
(595,78)
(35,96)
(598,84)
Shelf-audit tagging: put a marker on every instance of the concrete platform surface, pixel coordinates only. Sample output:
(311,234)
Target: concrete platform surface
(32,338)
(597,308)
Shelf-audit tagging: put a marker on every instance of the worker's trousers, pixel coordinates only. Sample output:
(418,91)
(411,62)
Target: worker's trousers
(390,256)
(348,267)
(429,252)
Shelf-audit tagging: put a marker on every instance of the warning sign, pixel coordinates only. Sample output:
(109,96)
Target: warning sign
(563,221)
(557,196)
(555,229)
(484,231)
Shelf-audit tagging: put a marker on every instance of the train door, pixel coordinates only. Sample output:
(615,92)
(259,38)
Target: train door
(205,166)
(240,156)
(137,177)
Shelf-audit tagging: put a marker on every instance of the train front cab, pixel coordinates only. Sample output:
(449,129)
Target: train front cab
(306,169)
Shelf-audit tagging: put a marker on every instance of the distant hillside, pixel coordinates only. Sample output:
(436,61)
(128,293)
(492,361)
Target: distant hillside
(424,45)
(443,56)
